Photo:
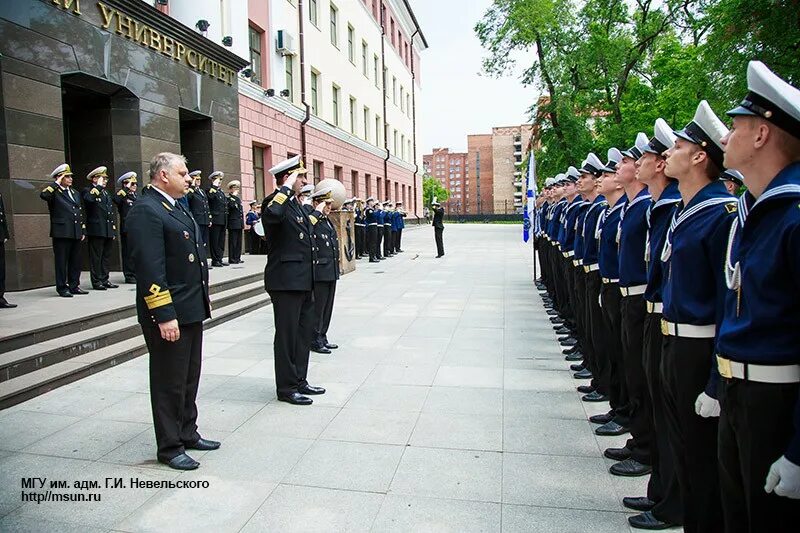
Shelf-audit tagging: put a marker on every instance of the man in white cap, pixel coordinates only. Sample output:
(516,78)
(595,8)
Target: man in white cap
(124,200)
(692,257)
(326,271)
(218,205)
(66,229)
(289,279)
(235,223)
(101,228)
(198,204)
(438,227)
(371,223)
(758,339)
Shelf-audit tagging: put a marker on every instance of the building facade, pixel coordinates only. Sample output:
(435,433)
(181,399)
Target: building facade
(450,168)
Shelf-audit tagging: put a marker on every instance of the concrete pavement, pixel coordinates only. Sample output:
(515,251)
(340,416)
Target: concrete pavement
(449,408)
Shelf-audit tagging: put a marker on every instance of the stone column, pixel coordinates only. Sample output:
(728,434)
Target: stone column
(344,223)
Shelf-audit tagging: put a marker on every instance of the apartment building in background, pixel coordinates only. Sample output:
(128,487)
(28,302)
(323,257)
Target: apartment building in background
(450,168)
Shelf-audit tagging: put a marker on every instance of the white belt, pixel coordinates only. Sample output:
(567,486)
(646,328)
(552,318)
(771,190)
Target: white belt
(655,307)
(610,280)
(577,262)
(359,224)
(372,224)
(633,291)
(688,330)
(568,254)
(591,268)
(761,373)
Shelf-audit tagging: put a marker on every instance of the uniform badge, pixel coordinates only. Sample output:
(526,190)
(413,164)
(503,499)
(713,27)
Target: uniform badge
(301,235)
(731,208)
(299,220)
(191,258)
(186,235)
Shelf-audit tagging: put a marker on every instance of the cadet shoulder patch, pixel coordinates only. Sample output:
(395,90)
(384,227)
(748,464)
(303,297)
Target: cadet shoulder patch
(212,190)
(157,297)
(48,188)
(731,207)
(313,219)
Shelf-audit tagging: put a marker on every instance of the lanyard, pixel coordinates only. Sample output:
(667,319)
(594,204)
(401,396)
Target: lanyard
(686,214)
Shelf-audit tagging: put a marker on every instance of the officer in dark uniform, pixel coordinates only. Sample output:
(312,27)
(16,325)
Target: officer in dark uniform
(101,228)
(380,218)
(66,229)
(326,271)
(172,302)
(388,217)
(235,223)
(4,236)
(361,234)
(371,224)
(400,224)
(124,200)
(757,345)
(289,279)
(198,204)
(218,205)
(438,227)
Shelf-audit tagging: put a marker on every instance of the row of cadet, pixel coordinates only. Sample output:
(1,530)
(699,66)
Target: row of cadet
(679,303)
(379,228)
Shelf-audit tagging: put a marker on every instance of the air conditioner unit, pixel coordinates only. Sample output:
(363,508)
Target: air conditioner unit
(285,43)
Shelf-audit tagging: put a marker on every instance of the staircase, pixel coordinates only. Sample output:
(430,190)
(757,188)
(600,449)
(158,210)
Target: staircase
(39,360)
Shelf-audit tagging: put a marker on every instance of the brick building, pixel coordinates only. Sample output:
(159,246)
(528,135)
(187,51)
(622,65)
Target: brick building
(450,168)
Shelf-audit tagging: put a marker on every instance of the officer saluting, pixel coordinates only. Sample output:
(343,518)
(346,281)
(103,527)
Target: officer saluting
(289,279)
(758,339)
(100,228)
(361,236)
(198,204)
(326,271)
(124,199)
(66,230)
(235,223)
(438,227)
(371,223)
(218,205)
(171,302)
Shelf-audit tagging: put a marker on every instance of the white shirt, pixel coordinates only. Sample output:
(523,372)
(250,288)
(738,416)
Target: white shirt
(169,198)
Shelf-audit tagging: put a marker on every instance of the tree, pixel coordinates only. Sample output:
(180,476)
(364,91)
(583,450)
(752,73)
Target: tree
(431,188)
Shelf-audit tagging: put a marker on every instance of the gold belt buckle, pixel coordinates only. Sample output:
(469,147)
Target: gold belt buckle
(650,307)
(724,366)
(664,327)
(586,269)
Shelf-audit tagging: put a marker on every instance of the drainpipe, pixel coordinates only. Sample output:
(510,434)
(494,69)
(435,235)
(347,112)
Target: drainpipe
(303,84)
(383,75)
(414,116)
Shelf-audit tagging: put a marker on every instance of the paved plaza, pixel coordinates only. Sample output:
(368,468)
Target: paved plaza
(449,408)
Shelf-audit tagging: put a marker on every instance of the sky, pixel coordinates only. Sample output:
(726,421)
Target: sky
(457,100)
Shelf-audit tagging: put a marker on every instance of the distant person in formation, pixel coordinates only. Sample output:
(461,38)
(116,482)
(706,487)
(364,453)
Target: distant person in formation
(250,219)
(326,271)
(124,200)
(733,180)
(371,224)
(438,227)
(388,216)
(218,205)
(101,228)
(380,218)
(360,228)
(171,302)
(289,279)
(66,229)
(235,223)
(4,236)
(198,204)
(400,224)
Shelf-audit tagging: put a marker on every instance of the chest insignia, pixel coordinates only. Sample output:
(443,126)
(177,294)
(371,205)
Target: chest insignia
(731,208)
(186,235)
(301,235)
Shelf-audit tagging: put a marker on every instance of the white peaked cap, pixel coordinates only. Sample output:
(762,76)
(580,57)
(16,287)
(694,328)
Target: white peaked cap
(663,138)
(638,148)
(592,165)
(771,98)
(61,169)
(707,131)
(614,157)
(549,182)
(572,171)
(288,164)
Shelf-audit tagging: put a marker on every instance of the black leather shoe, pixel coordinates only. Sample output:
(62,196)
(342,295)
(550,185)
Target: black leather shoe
(552,312)
(577,367)
(557,320)
(585,389)
(78,291)
(308,389)
(563,331)
(331,346)
(583,374)
(630,468)
(65,294)
(647,520)
(203,444)
(620,454)
(568,343)
(320,349)
(638,503)
(571,350)
(224,264)
(295,398)
(374,261)
(181,462)
(4,304)
(577,356)
(566,338)
(611,429)
(216,264)
(109,285)
(604,418)
(595,397)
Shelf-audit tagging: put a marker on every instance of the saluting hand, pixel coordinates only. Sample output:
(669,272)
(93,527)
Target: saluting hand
(170,331)
(306,200)
(289,182)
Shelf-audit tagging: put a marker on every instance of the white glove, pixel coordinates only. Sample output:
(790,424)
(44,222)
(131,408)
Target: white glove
(306,200)
(289,182)
(706,406)
(784,479)
(100,182)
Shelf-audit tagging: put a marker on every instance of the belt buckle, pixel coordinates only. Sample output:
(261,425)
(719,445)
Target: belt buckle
(650,307)
(724,366)
(664,327)
(586,269)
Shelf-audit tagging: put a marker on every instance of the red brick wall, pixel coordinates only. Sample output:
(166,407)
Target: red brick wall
(480,144)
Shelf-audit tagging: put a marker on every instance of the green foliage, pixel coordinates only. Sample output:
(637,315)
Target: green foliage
(431,188)
(609,68)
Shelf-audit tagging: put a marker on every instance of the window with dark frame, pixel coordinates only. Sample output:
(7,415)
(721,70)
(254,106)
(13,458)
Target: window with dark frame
(289,65)
(258,172)
(255,37)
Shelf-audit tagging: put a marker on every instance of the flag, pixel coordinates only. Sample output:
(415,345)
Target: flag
(529,218)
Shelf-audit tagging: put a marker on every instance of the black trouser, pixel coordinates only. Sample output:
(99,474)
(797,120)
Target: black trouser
(569,292)
(378,240)
(127,263)
(67,254)
(388,246)
(372,241)
(598,360)
(360,238)
(204,234)
(685,368)
(578,306)
(633,311)
(174,378)
(399,240)
(252,242)
(663,485)
(394,241)
(216,237)
(2,268)
(618,393)
(324,293)
(294,326)
(438,232)
(755,428)
(99,259)
(234,245)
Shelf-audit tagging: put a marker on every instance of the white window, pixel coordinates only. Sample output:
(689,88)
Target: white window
(334,26)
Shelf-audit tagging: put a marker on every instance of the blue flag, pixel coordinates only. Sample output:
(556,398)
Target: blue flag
(529,218)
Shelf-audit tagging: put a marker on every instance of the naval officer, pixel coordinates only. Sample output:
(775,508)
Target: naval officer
(124,200)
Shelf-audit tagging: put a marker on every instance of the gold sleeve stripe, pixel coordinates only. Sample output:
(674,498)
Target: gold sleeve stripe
(49,189)
(313,219)
(157,298)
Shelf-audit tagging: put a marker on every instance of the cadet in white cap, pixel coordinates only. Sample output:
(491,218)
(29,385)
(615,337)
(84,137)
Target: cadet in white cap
(326,271)
(101,228)
(218,207)
(235,223)
(124,200)
(66,229)
(733,180)
(198,205)
(693,253)
(758,338)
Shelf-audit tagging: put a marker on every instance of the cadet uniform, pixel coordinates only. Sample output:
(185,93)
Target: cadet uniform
(124,200)
(101,229)
(380,218)
(171,284)
(66,230)
(400,224)
(198,205)
(4,236)
(438,227)
(360,229)
(326,273)
(388,229)
(235,224)
(218,206)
